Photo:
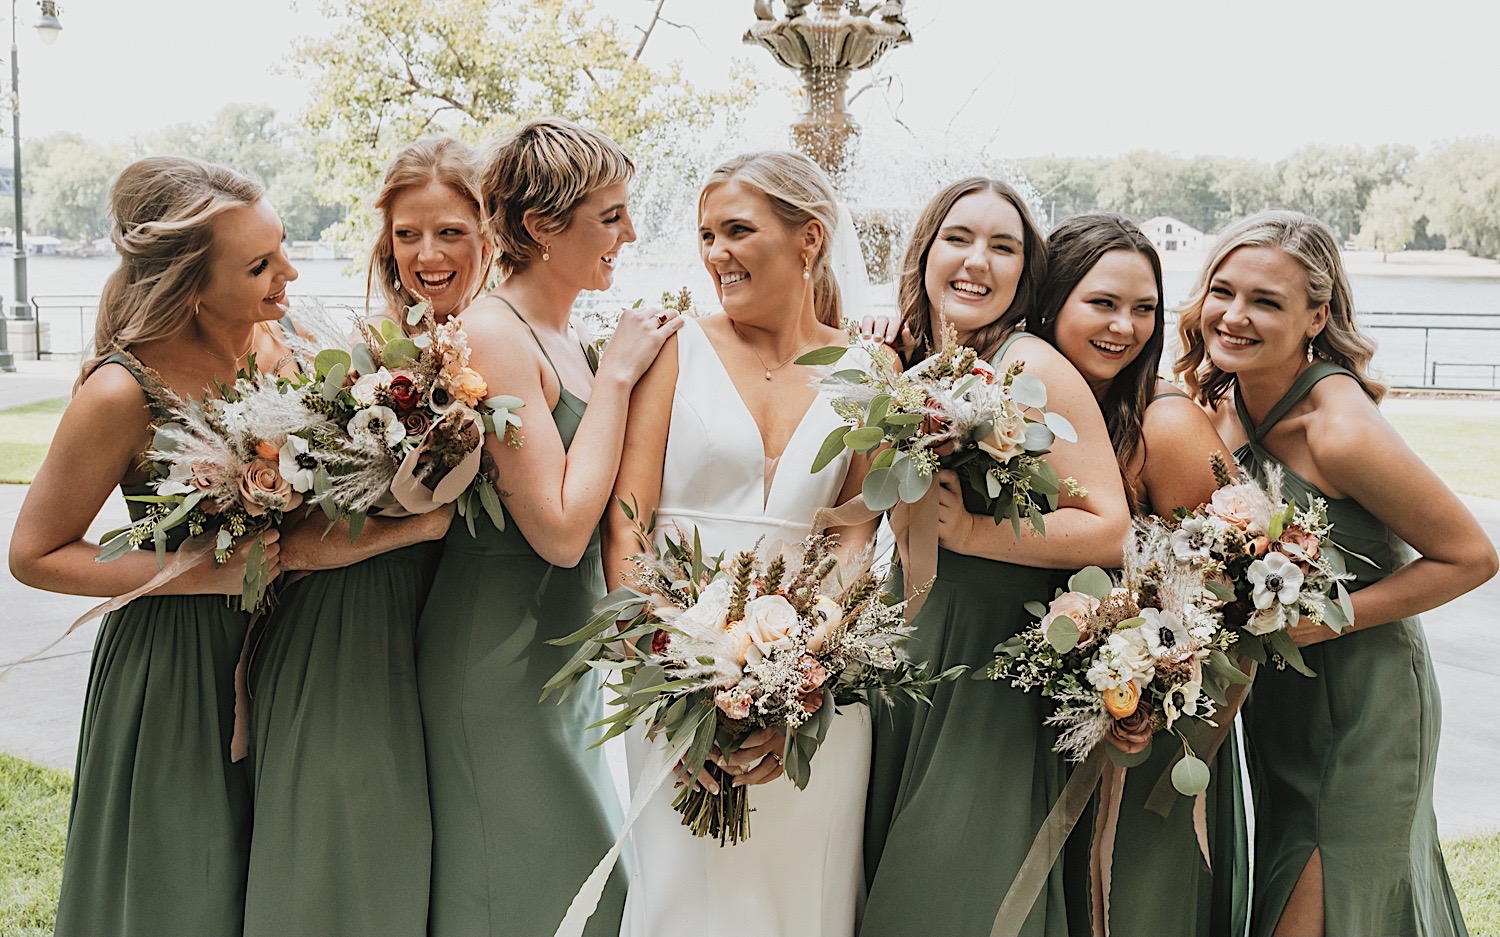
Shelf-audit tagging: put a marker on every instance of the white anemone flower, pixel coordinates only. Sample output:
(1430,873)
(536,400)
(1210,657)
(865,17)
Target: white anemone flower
(1183,700)
(1275,579)
(1165,633)
(297,464)
(1192,540)
(380,423)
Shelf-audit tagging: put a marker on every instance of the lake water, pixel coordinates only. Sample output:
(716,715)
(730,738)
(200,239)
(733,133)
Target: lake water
(1450,322)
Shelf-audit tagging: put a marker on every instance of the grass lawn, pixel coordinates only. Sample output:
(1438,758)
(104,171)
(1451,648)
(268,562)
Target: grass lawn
(1464,451)
(25,433)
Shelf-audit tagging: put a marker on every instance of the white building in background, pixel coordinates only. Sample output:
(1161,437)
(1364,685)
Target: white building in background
(1169,234)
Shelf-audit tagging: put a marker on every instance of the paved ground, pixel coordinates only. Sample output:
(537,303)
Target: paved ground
(41,701)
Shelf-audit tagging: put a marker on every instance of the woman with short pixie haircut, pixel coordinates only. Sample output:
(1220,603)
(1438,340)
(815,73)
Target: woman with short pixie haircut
(521,808)
(159,831)
(1341,764)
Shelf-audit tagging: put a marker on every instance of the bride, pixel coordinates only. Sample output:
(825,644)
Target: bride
(722,435)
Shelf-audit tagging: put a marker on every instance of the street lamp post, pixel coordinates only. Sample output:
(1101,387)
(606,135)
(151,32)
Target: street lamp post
(47,28)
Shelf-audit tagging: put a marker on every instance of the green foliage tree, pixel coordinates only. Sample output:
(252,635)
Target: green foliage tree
(67,181)
(1460,185)
(1066,185)
(395,70)
(1389,221)
(1334,182)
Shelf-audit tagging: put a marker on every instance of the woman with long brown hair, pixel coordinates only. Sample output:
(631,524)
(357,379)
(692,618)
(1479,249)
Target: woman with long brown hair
(159,833)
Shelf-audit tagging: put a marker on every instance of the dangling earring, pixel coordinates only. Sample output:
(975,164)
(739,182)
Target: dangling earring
(546,252)
(1309,351)
(396,284)
(195,309)
(807,268)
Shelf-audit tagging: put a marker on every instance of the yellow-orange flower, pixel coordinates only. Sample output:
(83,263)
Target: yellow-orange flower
(1122,700)
(469,387)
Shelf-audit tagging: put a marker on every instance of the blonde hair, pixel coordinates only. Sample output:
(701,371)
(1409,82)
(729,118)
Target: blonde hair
(799,192)
(162,210)
(1312,244)
(546,167)
(433,159)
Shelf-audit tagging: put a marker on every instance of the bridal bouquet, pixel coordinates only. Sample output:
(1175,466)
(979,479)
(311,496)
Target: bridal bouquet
(1268,561)
(711,650)
(223,467)
(953,411)
(1125,660)
(405,424)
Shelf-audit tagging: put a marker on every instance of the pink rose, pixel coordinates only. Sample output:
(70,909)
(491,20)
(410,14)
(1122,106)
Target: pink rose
(733,703)
(1242,506)
(203,477)
(1302,540)
(262,488)
(1079,606)
(813,674)
(811,702)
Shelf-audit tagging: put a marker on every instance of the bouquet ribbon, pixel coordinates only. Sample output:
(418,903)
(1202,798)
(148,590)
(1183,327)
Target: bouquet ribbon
(417,498)
(658,768)
(1164,795)
(915,528)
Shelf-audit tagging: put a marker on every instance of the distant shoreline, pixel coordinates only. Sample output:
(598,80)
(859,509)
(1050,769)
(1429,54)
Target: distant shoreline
(1453,264)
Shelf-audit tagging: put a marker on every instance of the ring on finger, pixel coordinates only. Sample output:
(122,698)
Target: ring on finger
(661,318)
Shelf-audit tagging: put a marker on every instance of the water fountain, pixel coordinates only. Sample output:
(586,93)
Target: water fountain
(824,41)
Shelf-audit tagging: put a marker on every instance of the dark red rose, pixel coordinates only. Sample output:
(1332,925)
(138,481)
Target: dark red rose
(659,642)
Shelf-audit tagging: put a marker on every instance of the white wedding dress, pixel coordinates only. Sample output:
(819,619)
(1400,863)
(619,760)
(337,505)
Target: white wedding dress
(801,870)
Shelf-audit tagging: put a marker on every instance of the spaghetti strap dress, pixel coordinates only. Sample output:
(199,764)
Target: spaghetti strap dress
(1343,762)
(159,830)
(959,788)
(522,808)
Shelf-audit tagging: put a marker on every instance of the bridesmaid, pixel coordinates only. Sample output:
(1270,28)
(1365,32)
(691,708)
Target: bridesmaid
(159,835)
(506,772)
(342,842)
(1341,765)
(960,788)
(1102,307)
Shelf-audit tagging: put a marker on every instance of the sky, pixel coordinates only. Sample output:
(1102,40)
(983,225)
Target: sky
(1072,77)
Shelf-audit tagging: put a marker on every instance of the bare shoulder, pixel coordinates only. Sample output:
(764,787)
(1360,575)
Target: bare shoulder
(112,389)
(1344,428)
(1044,361)
(1172,413)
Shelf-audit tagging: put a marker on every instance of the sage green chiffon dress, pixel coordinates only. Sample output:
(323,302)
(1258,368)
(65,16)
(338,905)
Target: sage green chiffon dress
(159,830)
(1343,762)
(522,808)
(342,842)
(960,788)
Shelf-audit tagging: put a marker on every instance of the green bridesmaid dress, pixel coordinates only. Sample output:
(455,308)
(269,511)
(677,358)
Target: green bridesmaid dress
(959,788)
(1156,856)
(159,833)
(1343,762)
(522,809)
(342,842)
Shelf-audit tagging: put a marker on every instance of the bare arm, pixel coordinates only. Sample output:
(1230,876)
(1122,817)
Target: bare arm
(1083,531)
(98,443)
(1364,458)
(305,545)
(556,495)
(639,481)
(1180,441)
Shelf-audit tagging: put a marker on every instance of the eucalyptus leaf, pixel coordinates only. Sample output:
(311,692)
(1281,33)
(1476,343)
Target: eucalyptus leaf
(823,356)
(1282,644)
(1127,759)
(884,459)
(850,376)
(329,357)
(1060,426)
(1029,391)
(911,484)
(490,500)
(1037,609)
(400,352)
(504,402)
(832,446)
(1091,580)
(415,313)
(333,384)
(864,439)
(364,362)
(880,405)
(388,331)
(881,490)
(1038,437)
(1063,634)
(1190,776)
(115,548)
(356,524)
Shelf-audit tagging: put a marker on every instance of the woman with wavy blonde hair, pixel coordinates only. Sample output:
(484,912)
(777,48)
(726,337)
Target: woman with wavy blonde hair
(334,706)
(1341,764)
(159,834)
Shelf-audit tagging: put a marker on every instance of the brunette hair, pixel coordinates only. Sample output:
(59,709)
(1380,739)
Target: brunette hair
(799,192)
(1073,248)
(433,159)
(1312,244)
(162,211)
(911,292)
(545,168)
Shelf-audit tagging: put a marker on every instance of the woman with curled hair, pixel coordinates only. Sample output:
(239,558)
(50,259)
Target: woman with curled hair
(505,772)
(334,707)
(159,832)
(1102,306)
(1341,764)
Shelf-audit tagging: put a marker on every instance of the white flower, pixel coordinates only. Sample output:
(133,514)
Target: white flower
(297,465)
(364,389)
(1192,540)
(827,615)
(1164,632)
(1275,579)
(1265,621)
(1182,700)
(380,423)
(232,415)
(1124,658)
(708,613)
(770,622)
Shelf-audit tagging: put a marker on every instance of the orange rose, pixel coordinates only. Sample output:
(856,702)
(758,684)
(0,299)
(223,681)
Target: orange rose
(262,488)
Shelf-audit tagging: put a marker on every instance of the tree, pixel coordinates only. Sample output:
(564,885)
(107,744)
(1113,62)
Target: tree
(1066,185)
(1334,183)
(396,70)
(67,186)
(1460,185)
(1389,221)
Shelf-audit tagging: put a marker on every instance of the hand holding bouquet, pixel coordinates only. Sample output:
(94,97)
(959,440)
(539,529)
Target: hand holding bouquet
(713,650)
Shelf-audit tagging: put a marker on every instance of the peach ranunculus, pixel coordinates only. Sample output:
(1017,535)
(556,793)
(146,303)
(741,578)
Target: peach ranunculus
(268,450)
(1243,506)
(262,488)
(1132,733)
(1008,439)
(1302,540)
(468,386)
(827,615)
(1079,606)
(1122,700)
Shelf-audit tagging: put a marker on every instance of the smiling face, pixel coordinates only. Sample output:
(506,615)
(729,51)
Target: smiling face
(436,242)
(975,263)
(754,259)
(584,253)
(1109,317)
(1256,316)
(248,269)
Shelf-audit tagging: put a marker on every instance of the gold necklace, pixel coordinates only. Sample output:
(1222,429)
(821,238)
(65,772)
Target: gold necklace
(768,369)
(234,361)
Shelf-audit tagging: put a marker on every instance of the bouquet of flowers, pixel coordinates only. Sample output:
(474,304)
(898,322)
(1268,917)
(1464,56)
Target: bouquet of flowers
(1125,660)
(951,410)
(711,650)
(405,424)
(224,467)
(1268,561)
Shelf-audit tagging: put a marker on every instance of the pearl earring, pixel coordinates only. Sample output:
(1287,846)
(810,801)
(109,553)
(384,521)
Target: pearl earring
(546,252)
(1309,351)
(807,268)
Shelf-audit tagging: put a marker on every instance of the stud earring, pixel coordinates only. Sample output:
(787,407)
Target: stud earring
(807,268)
(546,252)
(1309,351)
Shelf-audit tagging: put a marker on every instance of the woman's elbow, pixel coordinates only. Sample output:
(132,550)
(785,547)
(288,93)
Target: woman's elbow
(25,568)
(1484,564)
(566,551)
